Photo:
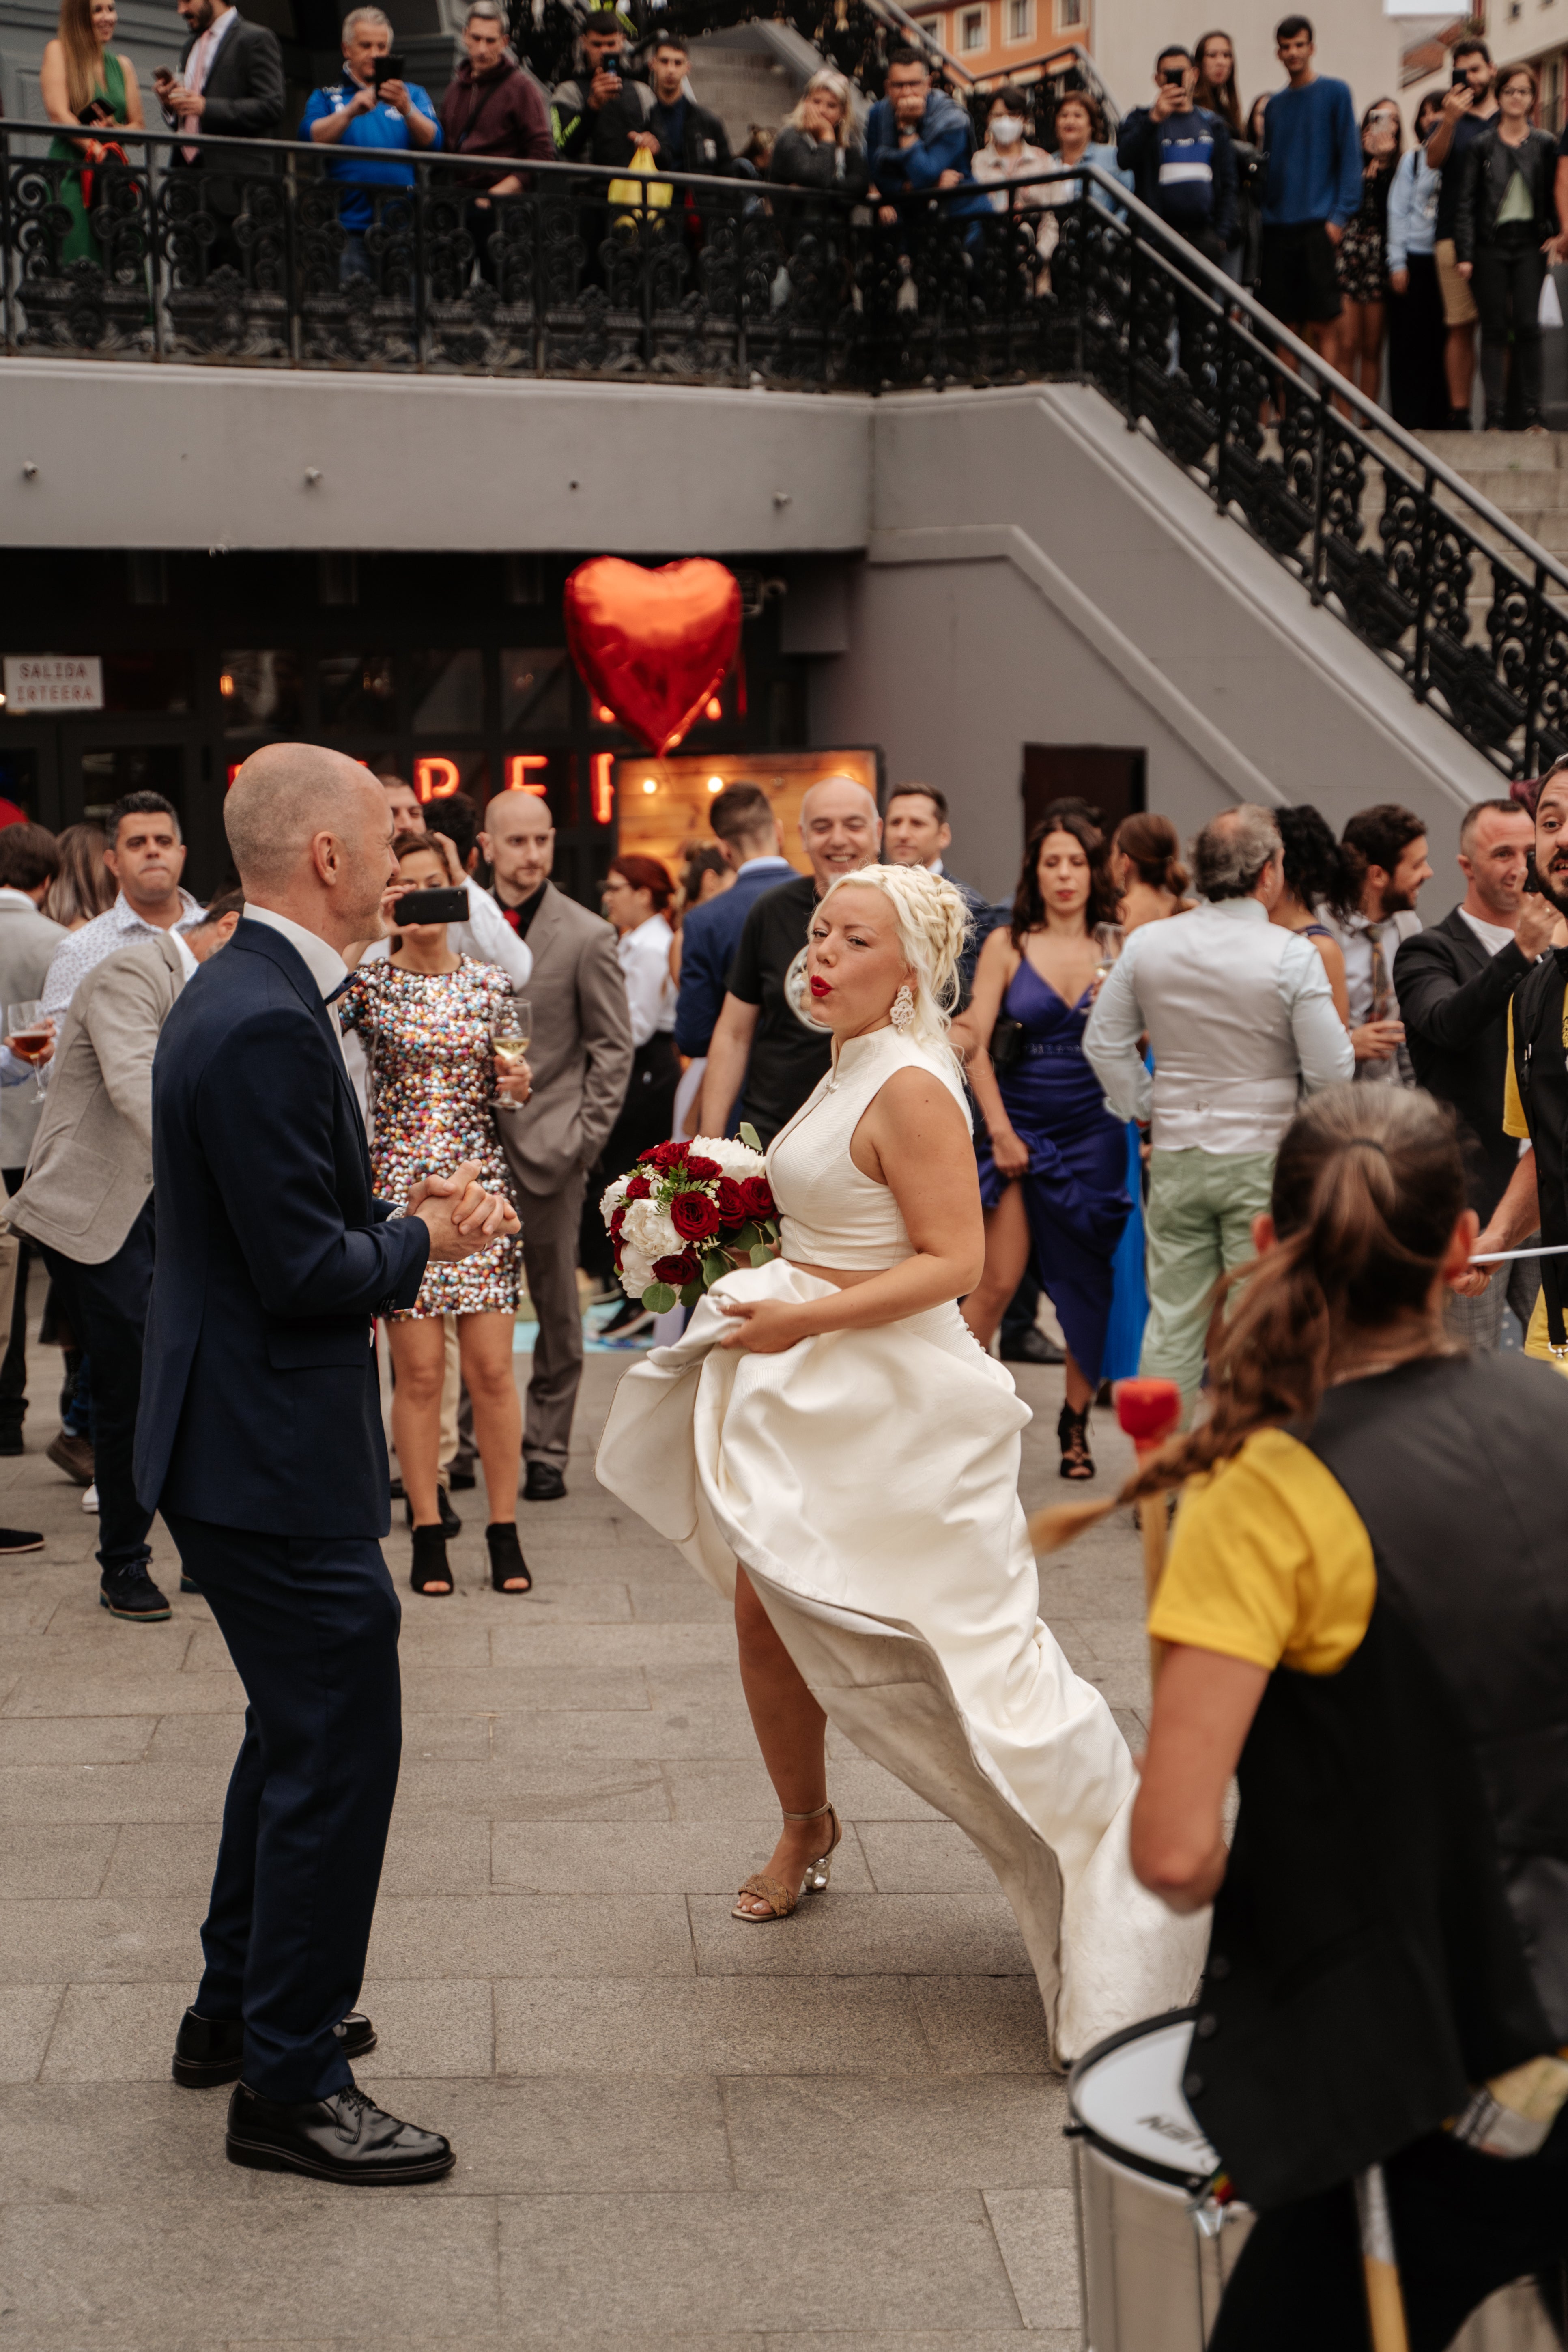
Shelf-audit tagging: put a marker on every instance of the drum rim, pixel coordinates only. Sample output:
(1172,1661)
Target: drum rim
(1173,2176)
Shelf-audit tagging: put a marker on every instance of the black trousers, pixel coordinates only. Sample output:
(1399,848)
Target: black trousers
(311,1624)
(1506,284)
(1417,387)
(1464,2225)
(645,1119)
(106,1307)
(14,1365)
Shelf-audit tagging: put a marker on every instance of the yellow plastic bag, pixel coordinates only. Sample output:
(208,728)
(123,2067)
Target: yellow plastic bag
(629,192)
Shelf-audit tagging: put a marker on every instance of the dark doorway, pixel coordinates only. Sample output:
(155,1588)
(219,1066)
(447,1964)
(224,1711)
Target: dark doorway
(1110,778)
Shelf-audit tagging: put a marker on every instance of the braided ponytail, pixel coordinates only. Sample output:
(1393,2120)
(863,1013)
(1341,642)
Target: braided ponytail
(933,924)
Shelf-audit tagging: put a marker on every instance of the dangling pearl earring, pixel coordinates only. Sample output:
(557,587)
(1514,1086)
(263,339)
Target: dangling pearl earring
(901,1012)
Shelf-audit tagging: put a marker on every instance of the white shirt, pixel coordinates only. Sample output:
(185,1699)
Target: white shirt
(644,956)
(321,959)
(104,936)
(487,937)
(198,65)
(1240,1015)
(1492,936)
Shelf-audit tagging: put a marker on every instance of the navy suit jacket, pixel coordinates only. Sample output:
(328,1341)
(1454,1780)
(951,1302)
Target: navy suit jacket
(259,1399)
(709,935)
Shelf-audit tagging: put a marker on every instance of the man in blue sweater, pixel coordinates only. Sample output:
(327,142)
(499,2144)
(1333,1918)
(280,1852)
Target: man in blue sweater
(1181,159)
(1313,145)
(917,145)
(742,817)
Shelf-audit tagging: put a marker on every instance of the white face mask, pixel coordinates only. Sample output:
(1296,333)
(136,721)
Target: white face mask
(1005,129)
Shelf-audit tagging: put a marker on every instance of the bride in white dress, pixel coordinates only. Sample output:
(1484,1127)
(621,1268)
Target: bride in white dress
(829,1444)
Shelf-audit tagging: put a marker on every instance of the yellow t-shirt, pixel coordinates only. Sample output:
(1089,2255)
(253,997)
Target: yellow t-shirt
(1269,1561)
(1537,1340)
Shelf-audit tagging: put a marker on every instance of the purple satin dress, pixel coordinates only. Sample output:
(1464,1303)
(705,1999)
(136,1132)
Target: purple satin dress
(1075,1193)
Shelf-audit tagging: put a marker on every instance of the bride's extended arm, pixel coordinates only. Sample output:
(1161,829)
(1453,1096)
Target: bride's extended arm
(915,1140)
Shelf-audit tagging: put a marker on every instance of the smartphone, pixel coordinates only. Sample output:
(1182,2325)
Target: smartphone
(432,907)
(163,78)
(388,68)
(1531,879)
(1461,79)
(1174,77)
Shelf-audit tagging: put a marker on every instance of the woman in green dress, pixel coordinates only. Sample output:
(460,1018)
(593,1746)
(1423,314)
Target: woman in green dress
(82,81)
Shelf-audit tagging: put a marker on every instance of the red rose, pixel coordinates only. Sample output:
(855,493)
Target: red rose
(732,1202)
(618,1219)
(664,1156)
(639,1189)
(676,1271)
(701,1168)
(757,1194)
(694,1216)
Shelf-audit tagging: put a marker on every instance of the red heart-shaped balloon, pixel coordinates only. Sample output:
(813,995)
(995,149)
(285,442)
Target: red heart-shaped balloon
(653,646)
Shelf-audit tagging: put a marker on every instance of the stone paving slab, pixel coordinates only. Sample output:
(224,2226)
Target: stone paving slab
(676,2132)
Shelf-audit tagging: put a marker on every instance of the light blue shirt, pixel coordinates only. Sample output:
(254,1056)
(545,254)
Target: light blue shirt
(1412,208)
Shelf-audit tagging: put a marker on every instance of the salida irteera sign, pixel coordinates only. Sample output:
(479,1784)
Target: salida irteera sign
(54,682)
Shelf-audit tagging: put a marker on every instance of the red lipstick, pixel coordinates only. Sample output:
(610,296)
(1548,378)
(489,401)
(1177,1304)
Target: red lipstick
(820,987)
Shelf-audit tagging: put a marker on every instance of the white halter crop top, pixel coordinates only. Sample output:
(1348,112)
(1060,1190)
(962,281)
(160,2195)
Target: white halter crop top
(830,1213)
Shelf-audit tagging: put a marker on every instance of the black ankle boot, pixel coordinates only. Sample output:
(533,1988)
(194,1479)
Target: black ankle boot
(506,1556)
(430,1566)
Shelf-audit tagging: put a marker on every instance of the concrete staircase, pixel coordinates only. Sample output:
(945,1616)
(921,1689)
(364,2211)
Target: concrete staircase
(752,74)
(1523,474)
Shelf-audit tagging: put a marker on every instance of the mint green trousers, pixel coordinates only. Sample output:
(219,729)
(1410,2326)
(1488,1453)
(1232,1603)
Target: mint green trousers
(1199,1225)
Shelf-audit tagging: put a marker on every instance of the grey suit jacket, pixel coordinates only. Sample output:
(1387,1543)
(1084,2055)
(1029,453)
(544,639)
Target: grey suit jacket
(91,1167)
(27,944)
(581,1055)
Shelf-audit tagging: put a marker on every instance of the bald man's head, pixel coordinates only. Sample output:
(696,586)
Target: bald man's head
(840,828)
(310,828)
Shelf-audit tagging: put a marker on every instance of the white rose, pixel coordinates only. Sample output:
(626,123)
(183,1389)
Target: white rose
(612,1197)
(734,1158)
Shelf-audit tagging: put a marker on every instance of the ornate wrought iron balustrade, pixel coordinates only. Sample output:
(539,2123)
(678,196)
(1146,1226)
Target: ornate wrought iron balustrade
(259,260)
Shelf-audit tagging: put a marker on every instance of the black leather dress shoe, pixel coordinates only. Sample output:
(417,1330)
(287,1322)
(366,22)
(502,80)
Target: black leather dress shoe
(544,1484)
(1031,1347)
(345,2137)
(210,2050)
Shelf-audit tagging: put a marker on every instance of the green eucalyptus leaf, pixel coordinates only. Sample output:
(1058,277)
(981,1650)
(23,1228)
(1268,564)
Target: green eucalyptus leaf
(658,1297)
(749,1136)
(690,1294)
(760,1254)
(715,1266)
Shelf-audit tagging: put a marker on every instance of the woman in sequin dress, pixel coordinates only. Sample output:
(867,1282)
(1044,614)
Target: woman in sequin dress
(424,1015)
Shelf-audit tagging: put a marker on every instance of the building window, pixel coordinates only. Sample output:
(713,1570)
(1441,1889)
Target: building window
(972,32)
(1069,15)
(936,27)
(1020,20)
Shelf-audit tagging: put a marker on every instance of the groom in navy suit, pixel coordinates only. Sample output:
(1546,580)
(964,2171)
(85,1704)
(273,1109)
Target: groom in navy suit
(259,1439)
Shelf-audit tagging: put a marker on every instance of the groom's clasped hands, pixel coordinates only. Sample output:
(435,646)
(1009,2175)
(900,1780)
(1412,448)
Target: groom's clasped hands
(462,1215)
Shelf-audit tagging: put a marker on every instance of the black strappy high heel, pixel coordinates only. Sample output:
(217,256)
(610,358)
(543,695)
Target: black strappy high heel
(430,1567)
(1072,1435)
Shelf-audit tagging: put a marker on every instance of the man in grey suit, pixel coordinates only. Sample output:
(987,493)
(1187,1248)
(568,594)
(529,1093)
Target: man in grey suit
(582,1061)
(28,864)
(87,1200)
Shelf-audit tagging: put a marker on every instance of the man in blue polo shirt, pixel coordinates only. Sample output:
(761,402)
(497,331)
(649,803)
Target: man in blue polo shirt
(380,124)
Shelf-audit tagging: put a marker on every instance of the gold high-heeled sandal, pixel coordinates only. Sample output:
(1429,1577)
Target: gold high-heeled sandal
(781,1899)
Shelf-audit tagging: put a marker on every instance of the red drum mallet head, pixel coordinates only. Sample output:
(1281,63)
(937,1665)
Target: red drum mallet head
(1148,1411)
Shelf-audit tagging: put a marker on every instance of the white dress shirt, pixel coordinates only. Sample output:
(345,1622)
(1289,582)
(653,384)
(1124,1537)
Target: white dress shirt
(1355,939)
(120,927)
(1241,1016)
(643,956)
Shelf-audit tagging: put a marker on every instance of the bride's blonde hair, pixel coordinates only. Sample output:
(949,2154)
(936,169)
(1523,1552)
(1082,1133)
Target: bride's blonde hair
(933,924)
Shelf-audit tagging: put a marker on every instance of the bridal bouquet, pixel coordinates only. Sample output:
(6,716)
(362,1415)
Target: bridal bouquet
(686,1214)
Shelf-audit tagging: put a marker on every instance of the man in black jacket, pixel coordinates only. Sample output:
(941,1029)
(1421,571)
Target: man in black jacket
(1453,984)
(230,83)
(680,135)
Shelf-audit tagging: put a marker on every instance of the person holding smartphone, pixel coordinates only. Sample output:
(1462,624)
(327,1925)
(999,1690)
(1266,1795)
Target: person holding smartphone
(379,114)
(424,1015)
(603,75)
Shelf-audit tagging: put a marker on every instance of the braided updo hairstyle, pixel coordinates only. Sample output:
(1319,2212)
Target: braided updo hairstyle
(933,925)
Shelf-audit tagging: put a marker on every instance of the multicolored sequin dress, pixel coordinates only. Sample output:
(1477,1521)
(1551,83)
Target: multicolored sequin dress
(427,1038)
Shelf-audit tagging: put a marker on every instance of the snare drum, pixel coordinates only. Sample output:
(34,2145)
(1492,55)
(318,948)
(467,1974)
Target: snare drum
(1155,2247)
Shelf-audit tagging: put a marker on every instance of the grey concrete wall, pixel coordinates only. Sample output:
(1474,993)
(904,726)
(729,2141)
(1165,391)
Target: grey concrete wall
(134,455)
(1039,574)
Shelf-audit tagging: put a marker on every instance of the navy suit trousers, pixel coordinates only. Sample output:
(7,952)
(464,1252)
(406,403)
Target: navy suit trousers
(311,1624)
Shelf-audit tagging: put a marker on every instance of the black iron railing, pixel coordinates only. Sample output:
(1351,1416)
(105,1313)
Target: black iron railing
(258,258)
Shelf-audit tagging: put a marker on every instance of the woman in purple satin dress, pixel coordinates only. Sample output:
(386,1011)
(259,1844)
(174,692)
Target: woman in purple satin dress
(1053,1163)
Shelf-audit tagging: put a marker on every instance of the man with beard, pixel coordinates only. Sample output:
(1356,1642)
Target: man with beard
(1536,1098)
(1386,847)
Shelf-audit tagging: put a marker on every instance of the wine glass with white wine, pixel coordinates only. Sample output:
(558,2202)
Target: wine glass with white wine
(1107,946)
(29,1032)
(511,1033)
